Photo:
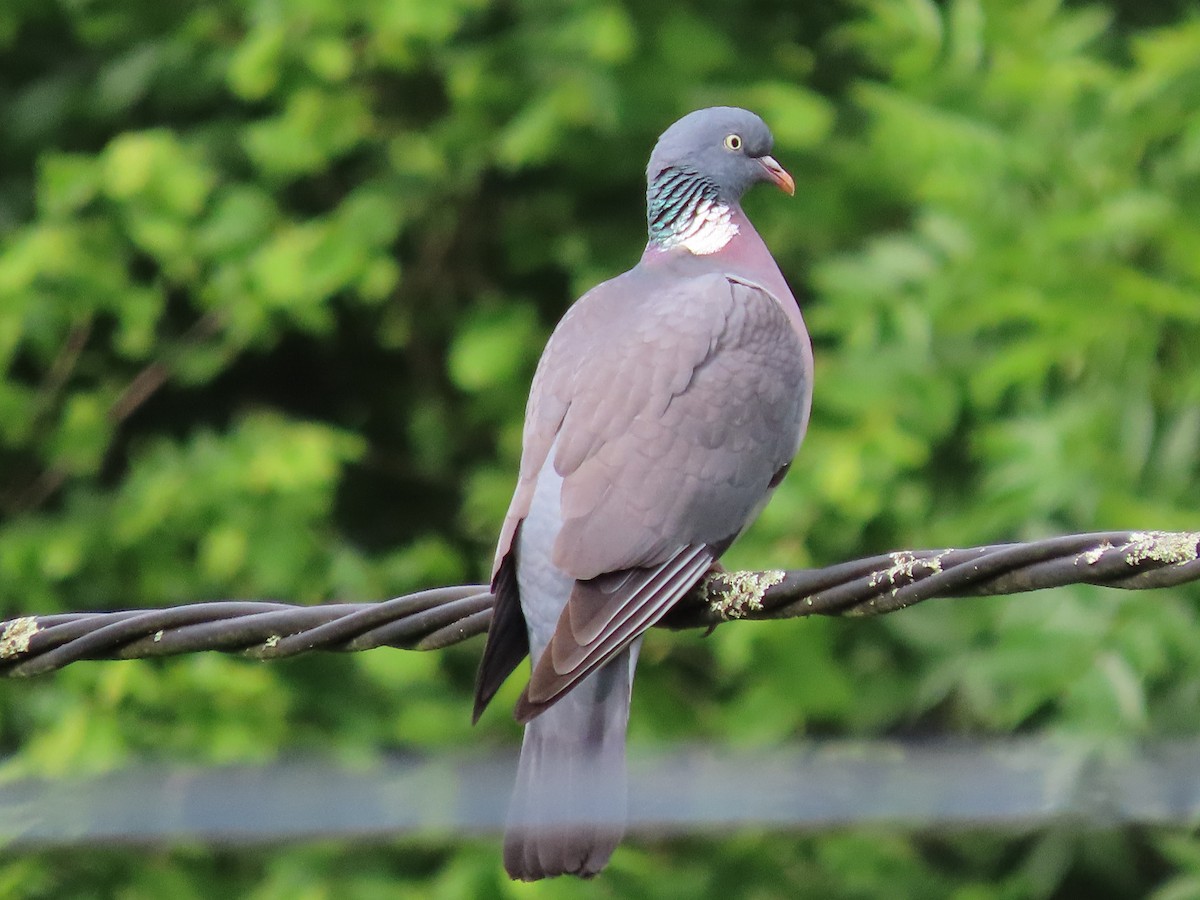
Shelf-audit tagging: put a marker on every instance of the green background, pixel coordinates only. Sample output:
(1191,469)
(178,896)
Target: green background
(274,276)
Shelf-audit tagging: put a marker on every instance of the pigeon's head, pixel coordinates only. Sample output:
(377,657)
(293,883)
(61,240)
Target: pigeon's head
(728,147)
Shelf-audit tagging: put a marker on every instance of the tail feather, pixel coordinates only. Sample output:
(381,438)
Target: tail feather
(569,805)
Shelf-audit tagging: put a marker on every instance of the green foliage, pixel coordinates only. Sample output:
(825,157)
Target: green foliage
(273,280)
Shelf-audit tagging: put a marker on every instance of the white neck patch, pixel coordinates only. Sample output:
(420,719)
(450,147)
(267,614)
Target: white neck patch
(708,230)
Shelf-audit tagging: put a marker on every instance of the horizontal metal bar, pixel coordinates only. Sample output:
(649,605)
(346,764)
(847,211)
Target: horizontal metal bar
(812,786)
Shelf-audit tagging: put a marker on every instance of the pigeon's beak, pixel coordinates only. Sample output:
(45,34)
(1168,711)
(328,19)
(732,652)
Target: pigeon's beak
(776,173)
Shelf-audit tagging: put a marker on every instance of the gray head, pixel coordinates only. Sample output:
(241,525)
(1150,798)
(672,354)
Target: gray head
(729,148)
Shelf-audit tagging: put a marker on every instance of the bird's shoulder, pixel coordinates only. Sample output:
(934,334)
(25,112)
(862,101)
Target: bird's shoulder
(653,319)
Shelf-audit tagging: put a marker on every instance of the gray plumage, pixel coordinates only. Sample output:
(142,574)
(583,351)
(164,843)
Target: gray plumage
(666,406)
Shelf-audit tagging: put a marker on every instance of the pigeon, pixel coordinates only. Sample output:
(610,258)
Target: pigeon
(666,407)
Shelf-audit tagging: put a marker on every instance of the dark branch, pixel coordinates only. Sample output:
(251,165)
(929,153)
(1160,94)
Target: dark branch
(437,618)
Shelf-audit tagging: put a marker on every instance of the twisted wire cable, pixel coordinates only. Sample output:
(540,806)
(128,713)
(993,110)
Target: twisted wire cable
(437,618)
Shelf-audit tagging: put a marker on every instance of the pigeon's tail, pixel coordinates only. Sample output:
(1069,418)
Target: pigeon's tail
(569,804)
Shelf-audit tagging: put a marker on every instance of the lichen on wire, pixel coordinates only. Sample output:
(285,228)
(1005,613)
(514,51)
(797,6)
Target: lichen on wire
(437,618)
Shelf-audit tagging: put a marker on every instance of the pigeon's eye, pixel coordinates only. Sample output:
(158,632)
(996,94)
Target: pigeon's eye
(733,142)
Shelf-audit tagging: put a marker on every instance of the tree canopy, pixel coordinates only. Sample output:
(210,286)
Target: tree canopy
(274,275)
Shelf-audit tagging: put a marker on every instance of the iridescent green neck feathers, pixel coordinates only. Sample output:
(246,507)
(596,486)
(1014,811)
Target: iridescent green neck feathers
(684,209)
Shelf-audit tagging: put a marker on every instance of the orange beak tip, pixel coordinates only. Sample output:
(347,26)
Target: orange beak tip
(779,175)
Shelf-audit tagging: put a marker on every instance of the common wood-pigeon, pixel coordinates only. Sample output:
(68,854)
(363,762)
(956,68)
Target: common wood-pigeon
(666,407)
